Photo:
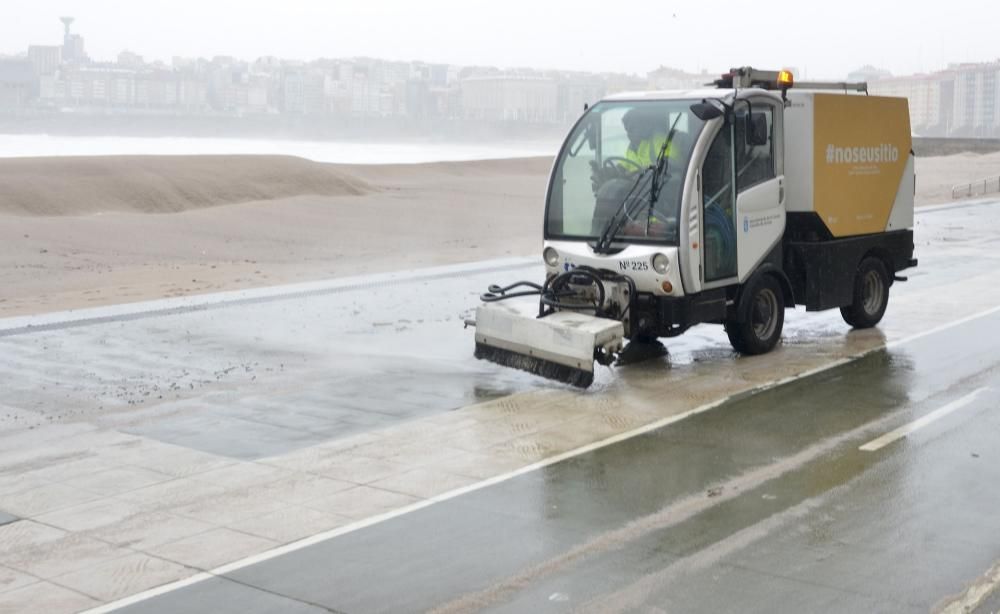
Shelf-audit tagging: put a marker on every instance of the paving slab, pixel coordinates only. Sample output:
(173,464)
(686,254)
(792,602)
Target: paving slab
(211,548)
(173,460)
(92,515)
(302,487)
(64,555)
(23,534)
(123,576)
(119,480)
(290,524)
(173,493)
(244,474)
(361,502)
(424,483)
(232,505)
(47,498)
(148,529)
(44,597)
(350,467)
(14,482)
(11,579)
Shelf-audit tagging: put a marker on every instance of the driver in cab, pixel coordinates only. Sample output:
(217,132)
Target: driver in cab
(647,134)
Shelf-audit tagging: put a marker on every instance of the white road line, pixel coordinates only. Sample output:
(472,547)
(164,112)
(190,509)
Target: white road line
(367,522)
(906,429)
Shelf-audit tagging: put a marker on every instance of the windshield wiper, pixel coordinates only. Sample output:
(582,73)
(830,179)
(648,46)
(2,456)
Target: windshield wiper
(660,168)
(617,220)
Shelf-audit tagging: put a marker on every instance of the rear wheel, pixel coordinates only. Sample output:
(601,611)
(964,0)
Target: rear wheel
(760,330)
(871,295)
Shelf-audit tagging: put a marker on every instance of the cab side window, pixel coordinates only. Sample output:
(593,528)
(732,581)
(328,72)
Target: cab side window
(718,173)
(719,213)
(754,147)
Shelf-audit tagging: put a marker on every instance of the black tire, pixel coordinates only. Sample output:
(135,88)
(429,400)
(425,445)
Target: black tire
(871,295)
(760,329)
(732,331)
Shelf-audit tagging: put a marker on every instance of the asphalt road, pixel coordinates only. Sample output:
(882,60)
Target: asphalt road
(869,487)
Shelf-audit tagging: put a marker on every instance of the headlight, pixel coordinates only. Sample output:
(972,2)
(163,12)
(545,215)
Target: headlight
(551,256)
(660,263)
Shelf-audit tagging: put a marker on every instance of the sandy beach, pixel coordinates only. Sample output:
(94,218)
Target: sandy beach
(83,232)
(89,231)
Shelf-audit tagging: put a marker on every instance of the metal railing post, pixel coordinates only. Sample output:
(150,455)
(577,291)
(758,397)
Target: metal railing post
(969,189)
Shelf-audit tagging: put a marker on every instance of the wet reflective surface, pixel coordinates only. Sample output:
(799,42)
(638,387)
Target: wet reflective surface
(259,378)
(764,505)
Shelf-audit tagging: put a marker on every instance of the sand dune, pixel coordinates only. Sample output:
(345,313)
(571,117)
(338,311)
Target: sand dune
(162,184)
(77,232)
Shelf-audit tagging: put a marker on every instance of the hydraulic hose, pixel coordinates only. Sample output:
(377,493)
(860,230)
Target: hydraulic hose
(555,294)
(498,293)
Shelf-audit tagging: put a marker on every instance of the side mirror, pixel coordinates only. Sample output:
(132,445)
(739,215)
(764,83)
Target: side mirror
(706,111)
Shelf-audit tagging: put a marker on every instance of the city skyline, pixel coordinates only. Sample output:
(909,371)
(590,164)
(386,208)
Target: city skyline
(55,79)
(553,36)
(869,68)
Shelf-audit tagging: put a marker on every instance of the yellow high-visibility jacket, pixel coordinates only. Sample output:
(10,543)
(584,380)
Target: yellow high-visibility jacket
(645,154)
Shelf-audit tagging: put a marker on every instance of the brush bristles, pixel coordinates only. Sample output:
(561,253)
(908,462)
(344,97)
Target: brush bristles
(538,366)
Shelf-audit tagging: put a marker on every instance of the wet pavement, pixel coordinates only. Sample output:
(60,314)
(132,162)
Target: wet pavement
(765,504)
(144,445)
(251,377)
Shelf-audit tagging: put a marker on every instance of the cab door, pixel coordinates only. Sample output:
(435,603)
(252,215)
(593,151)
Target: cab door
(718,210)
(759,181)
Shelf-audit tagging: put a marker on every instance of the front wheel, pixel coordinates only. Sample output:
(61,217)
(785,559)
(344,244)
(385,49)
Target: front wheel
(760,330)
(871,295)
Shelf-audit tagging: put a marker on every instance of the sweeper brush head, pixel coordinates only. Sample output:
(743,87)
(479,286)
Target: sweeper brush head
(538,366)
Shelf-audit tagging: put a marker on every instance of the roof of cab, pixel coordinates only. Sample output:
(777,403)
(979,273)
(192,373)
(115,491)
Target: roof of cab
(697,94)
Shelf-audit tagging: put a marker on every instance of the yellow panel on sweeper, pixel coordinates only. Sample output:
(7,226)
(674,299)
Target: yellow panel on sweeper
(862,144)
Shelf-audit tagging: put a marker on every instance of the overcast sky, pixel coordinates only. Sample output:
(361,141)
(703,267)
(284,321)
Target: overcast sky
(822,40)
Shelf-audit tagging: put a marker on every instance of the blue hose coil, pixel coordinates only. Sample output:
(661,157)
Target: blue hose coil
(716,219)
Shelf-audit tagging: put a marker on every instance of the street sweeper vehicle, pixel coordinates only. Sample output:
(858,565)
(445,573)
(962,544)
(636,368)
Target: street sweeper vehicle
(728,205)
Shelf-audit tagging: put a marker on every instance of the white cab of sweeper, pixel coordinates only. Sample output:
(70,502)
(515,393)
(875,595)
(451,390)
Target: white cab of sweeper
(756,212)
(726,205)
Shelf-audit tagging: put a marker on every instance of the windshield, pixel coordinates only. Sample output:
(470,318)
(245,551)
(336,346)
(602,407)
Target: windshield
(606,161)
